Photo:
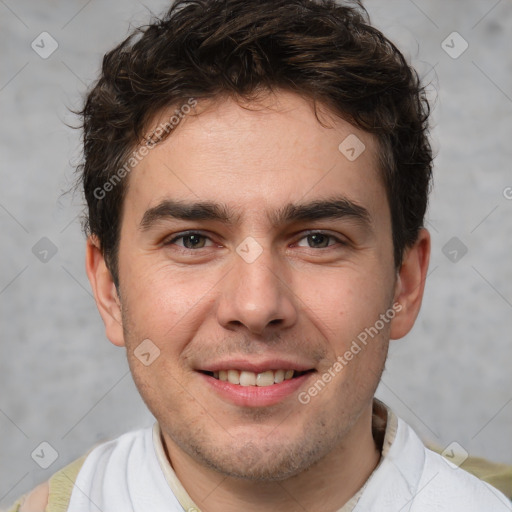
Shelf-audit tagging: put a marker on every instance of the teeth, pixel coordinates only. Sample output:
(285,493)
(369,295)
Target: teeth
(278,376)
(265,379)
(234,376)
(245,378)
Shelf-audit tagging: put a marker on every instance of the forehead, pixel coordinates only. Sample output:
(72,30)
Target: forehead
(259,156)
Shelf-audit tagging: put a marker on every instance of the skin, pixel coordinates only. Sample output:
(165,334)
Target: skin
(302,299)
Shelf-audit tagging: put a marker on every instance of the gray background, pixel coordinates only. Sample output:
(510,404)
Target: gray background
(62,382)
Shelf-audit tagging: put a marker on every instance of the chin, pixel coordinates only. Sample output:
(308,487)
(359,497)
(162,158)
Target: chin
(262,463)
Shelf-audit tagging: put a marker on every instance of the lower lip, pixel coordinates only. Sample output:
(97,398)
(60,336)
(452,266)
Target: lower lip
(256,396)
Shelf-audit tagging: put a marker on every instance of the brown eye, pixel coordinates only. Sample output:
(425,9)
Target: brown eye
(318,240)
(189,241)
(193,241)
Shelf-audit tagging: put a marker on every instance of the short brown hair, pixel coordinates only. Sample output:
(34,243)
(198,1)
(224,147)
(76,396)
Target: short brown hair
(320,49)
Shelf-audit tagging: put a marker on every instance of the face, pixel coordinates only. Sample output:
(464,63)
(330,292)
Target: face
(253,250)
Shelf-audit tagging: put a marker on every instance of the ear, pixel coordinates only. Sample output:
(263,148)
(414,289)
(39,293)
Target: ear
(410,285)
(105,292)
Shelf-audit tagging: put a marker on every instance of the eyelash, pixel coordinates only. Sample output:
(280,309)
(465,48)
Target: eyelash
(310,233)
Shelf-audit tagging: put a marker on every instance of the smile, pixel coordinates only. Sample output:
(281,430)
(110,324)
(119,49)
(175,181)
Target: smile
(248,378)
(260,388)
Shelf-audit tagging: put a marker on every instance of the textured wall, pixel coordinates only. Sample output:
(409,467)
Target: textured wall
(64,384)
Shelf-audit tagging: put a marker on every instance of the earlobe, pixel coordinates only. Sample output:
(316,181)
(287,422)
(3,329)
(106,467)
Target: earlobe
(410,285)
(105,292)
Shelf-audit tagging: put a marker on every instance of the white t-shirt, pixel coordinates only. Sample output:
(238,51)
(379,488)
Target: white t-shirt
(132,473)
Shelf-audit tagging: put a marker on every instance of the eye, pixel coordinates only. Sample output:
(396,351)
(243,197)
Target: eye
(319,240)
(190,240)
(194,240)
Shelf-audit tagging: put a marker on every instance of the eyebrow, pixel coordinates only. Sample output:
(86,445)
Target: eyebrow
(334,208)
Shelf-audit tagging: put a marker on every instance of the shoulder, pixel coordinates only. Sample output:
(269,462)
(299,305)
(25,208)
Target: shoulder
(434,484)
(59,487)
(453,488)
(55,493)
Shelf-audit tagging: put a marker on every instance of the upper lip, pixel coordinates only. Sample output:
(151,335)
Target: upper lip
(255,366)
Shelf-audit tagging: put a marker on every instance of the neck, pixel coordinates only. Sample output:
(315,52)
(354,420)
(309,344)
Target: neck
(327,485)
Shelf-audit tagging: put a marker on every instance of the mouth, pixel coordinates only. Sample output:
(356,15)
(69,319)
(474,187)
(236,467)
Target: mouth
(247,378)
(249,385)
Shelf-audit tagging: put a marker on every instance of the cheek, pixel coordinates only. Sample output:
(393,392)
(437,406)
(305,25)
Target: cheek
(159,298)
(166,306)
(345,301)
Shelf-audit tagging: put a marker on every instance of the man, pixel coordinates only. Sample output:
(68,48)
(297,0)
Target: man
(256,175)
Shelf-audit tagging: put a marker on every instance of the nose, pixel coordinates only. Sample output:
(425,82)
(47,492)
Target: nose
(256,295)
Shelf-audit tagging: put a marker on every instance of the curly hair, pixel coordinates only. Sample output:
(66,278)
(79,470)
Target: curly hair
(205,49)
